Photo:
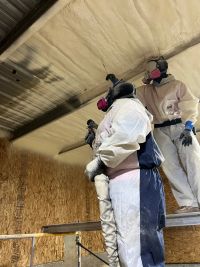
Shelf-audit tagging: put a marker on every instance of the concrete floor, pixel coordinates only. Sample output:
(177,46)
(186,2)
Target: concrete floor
(53,264)
(91,263)
(183,265)
(87,261)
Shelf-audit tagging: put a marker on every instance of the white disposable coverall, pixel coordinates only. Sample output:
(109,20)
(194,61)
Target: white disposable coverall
(125,145)
(108,223)
(169,100)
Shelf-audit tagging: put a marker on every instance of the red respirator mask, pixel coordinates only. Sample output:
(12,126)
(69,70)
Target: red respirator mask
(155,74)
(155,69)
(102,104)
(105,102)
(149,76)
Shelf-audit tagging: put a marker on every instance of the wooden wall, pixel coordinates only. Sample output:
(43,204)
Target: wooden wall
(36,191)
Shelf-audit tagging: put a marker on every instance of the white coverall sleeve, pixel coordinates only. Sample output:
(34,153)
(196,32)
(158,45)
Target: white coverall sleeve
(129,128)
(188,104)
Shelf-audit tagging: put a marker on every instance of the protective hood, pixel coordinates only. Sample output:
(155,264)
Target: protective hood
(120,89)
(156,70)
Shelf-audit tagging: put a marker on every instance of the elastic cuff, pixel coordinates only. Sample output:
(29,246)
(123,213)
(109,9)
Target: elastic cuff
(189,125)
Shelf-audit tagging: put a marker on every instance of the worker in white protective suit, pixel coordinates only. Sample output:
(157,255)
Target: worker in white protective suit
(175,111)
(101,182)
(127,152)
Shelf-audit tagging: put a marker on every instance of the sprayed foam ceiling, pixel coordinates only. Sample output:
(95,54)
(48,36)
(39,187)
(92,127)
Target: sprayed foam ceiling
(71,54)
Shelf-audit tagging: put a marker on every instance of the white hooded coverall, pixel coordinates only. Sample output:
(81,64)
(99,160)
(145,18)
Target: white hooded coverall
(169,100)
(125,145)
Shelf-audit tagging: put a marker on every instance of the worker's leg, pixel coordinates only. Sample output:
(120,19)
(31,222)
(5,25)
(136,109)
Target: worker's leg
(107,219)
(173,170)
(152,218)
(137,209)
(190,158)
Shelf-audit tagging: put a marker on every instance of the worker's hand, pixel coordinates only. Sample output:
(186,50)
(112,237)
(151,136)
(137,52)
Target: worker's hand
(94,167)
(89,138)
(186,137)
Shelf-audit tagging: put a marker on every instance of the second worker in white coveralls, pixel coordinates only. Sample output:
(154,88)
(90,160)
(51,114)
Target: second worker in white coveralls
(175,111)
(125,147)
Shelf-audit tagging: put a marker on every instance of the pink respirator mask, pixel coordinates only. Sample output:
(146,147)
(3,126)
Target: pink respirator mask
(149,76)
(102,104)
(154,74)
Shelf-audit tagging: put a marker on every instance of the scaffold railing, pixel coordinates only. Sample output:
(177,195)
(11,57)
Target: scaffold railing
(34,236)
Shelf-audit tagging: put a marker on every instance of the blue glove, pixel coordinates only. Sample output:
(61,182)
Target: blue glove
(186,134)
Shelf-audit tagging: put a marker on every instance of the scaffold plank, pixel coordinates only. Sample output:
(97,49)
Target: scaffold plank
(72,227)
(184,219)
(172,220)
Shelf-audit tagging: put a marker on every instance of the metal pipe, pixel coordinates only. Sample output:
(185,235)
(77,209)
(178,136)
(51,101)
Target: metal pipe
(34,235)
(32,251)
(72,147)
(93,254)
(78,249)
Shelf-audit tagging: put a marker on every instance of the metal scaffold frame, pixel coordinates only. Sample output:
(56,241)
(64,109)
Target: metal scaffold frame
(33,238)
(184,219)
(172,220)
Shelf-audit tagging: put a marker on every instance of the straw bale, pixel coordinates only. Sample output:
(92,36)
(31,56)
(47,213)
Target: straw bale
(182,244)
(171,204)
(37,191)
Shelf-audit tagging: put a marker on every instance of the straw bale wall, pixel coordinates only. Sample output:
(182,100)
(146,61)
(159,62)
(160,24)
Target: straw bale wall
(37,191)
(182,244)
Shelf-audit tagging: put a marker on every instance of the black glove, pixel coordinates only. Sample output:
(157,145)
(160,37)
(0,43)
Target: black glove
(187,138)
(89,138)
